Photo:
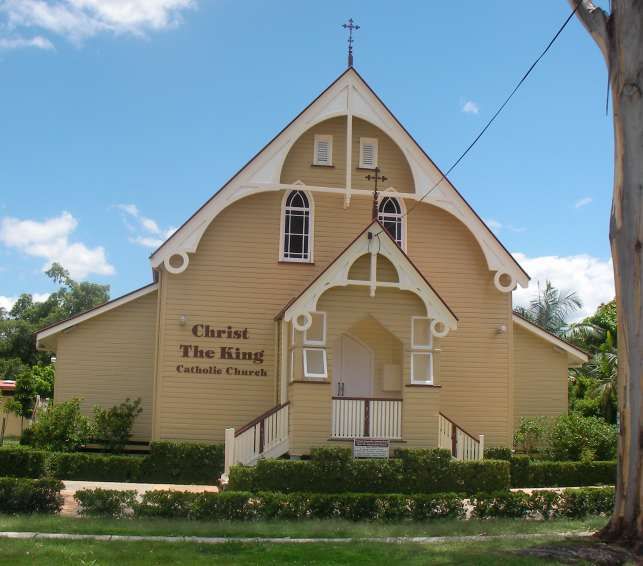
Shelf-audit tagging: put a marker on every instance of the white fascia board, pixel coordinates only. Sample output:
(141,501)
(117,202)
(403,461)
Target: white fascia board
(106,307)
(575,356)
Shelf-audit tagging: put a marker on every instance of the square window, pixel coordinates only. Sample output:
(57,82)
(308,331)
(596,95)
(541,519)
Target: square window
(323,150)
(421,367)
(421,333)
(315,363)
(316,334)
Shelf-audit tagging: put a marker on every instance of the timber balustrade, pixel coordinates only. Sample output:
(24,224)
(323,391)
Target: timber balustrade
(358,417)
(461,444)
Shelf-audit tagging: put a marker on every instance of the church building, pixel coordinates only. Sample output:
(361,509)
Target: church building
(337,287)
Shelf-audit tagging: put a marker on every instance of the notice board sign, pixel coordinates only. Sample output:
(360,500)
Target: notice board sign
(370,448)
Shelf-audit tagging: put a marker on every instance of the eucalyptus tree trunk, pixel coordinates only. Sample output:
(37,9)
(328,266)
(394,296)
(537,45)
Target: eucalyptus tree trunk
(619,36)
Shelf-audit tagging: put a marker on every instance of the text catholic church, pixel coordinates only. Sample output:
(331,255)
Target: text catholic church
(293,310)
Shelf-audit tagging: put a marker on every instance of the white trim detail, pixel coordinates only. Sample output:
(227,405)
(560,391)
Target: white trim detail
(181,268)
(415,346)
(313,375)
(308,321)
(575,356)
(263,172)
(318,156)
(336,274)
(498,283)
(368,152)
(110,305)
(438,333)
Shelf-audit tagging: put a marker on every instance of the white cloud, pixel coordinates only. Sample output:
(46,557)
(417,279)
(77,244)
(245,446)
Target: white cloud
(583,202)
(80,19)
(49,239)
(496,226)
(8,302)
(591,278)
(146,232)
(38,42)
(470,107)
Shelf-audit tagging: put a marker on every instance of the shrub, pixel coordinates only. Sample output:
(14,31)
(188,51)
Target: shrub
(21,495)
(570,474)
(113,427)
(574,436)
(577,503)
(532,434)
(26,438)
(508,504)
(166,504)
(183,462)
(23,462)
(520,471)
(105,502)
(61,427)
(96,467)
(498,453)
(413,471)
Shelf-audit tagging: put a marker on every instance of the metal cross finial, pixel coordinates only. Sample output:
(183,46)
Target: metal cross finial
(350,26)
(377,177)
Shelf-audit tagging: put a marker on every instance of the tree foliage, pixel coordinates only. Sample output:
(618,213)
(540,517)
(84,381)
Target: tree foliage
(551,309)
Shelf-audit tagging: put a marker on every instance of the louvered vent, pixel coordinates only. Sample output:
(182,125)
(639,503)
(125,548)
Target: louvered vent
(323,150)
(368,153)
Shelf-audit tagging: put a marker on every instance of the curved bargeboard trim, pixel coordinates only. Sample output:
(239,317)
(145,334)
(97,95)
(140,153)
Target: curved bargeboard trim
(262,173)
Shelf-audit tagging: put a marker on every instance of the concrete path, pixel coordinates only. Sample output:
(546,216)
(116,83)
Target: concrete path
(70,506)
(285,540)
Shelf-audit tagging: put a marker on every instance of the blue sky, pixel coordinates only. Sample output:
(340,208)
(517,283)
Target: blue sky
(118,118)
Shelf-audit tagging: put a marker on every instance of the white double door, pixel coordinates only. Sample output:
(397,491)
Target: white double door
(353,368)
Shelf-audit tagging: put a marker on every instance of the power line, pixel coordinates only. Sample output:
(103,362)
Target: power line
(500,109)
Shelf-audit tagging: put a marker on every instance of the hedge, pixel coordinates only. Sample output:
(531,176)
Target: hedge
(416,471)
(22,495)
(244,506)
(167,462)
(543,473)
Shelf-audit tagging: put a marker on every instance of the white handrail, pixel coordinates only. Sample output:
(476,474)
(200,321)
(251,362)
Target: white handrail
(460,443)
(362,417)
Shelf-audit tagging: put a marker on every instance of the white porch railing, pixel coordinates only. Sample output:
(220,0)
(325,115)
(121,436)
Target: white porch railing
(358,417)
(461,444)
(264,437)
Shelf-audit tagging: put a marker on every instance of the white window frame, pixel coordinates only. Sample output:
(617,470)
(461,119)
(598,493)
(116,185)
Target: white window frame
(327,138)
(421,347)
(311,229)
(422,381)
(362,142)
(310,375)
(401,215)
(321,342)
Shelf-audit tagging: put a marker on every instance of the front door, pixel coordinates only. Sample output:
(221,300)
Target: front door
(353,368)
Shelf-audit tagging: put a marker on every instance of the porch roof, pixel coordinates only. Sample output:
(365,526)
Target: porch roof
(336,274)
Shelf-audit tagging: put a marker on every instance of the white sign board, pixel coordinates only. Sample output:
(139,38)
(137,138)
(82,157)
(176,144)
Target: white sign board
(370,448)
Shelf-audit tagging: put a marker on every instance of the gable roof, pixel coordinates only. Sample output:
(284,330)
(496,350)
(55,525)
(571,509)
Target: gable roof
(348,93)
(575,355)
(61,325)
(336,275)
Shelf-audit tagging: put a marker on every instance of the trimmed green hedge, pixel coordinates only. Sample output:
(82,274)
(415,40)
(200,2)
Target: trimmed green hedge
(543,473)
(22,495)
(244,506)
(412,471)
(167,462)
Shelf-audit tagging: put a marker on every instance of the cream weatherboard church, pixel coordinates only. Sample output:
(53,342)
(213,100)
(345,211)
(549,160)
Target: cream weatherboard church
(291,311)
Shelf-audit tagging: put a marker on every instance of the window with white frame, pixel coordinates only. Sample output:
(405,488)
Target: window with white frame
(390,215)
(323,150)
(296,239)
(315,335)
(421,350)
(315,363)
(368,153)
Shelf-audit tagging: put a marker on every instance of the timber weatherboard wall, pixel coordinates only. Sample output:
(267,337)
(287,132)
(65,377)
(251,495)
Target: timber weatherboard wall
(108,358)
(540,374)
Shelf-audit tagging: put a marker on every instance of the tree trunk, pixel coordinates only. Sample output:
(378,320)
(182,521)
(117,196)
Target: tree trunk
(620,37)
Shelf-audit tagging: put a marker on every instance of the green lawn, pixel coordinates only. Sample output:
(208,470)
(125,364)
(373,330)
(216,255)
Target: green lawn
(310,528)
(90,553)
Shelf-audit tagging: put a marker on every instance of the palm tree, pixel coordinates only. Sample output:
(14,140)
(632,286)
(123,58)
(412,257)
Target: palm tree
(603,367)
(550,309)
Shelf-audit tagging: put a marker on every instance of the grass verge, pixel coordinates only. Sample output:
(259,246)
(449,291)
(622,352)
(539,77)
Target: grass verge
(304,529)
(54,553)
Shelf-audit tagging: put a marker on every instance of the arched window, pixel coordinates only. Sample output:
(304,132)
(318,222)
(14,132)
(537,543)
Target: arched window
(296,234)
(390,215)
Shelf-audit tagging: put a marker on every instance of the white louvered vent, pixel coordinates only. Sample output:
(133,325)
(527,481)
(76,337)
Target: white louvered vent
(368,153)
(323,150)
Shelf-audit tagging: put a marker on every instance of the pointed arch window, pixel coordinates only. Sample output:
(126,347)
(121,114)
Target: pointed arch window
(296,235)
(390,215)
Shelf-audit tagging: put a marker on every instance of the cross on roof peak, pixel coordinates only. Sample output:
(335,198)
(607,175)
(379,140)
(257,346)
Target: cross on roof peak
(350,26)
